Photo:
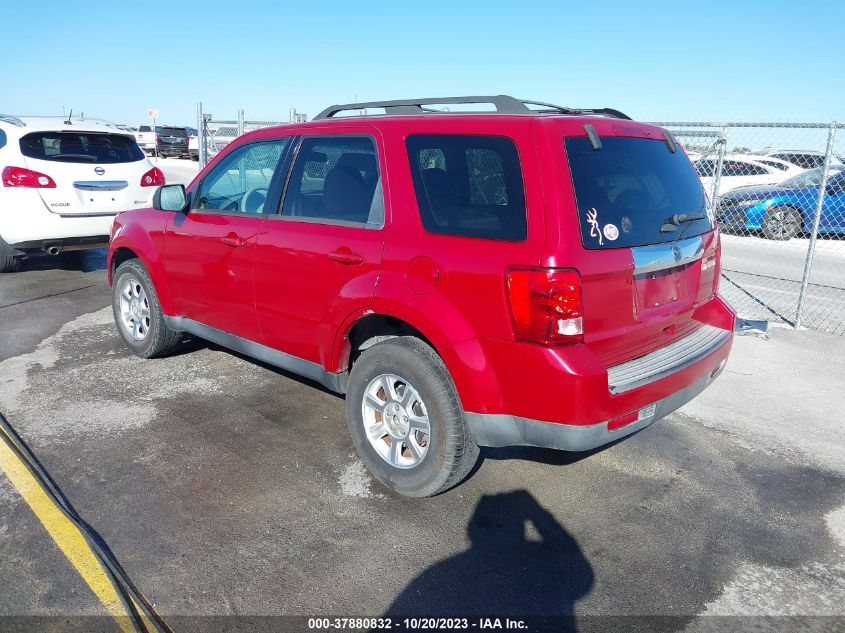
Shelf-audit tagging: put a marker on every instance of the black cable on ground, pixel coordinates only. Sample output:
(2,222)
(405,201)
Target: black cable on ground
(129,594)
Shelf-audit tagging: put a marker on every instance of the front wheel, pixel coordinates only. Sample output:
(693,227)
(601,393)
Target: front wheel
(781,223)
(406,419)
(138,314)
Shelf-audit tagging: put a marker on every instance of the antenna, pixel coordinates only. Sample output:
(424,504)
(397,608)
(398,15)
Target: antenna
(67,121)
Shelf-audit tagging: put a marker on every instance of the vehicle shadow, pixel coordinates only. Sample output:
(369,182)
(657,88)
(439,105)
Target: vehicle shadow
(521,563)
(84,261)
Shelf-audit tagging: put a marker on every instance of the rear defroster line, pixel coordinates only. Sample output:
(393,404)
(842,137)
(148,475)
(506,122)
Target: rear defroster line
(23,468)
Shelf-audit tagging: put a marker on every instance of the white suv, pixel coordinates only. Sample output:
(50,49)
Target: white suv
(63,183)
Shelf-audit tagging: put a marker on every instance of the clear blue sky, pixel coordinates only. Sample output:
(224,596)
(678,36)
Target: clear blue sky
(655,60)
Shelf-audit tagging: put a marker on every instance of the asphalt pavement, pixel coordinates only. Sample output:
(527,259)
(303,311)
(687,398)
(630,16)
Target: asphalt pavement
(226,487)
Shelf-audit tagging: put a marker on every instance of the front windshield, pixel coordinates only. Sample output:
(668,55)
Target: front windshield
(809,178)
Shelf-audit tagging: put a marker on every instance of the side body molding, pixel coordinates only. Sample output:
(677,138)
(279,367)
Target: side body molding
(294,364)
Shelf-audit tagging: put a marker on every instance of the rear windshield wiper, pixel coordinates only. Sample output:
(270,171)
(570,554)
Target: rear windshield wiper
(74,157)
(672,223)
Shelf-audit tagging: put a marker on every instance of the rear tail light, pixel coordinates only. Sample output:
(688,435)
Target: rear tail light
(546,306)
(20,177)
(153,178)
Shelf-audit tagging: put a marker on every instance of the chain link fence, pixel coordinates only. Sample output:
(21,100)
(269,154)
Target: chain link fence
(214,135)
(778,192)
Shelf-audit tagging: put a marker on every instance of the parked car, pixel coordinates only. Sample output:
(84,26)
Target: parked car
(64,182)
(783,211)
(806,159)
(465,279)
(145,136)
(740,170)
(172,141)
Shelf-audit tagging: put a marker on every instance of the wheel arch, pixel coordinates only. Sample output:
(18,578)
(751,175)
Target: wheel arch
(125,248)
(369,327)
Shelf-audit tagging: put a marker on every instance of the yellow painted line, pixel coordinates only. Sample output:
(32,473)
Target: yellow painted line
(65,534)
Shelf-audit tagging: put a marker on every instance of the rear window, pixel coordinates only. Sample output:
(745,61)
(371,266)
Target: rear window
(171,131)
(468,186)
(82,147)
(630,189)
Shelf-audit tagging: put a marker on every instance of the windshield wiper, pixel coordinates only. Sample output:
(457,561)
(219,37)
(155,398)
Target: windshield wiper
(672,223)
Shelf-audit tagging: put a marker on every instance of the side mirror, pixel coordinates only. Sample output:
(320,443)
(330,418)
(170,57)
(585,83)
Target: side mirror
(170,198)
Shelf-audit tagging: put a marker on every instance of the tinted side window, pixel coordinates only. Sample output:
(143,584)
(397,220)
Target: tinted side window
(773,164)
(2,139)
(335,179)
(240,182)
(469,186)
(739,168)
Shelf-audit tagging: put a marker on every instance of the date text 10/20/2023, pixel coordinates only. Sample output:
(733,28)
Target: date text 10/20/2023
(415,624)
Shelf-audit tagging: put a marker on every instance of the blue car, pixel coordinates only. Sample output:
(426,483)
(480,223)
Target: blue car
(783,211)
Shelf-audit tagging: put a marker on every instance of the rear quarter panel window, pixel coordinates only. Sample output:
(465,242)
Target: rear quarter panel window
(468,186)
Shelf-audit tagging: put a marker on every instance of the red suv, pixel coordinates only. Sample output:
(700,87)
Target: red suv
(531,275)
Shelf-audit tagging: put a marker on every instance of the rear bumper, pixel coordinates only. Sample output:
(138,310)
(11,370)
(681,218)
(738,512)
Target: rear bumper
(62,244)
(174,150)
(507,430)
(517,393)
(25,219)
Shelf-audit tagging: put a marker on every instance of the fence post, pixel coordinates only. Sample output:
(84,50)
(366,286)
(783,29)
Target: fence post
(240,122)
(201,136)
(720,159)
(811,249)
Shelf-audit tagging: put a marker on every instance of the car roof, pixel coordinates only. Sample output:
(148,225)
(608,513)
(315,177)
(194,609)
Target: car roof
(432,121)
(27,124)
(768,151)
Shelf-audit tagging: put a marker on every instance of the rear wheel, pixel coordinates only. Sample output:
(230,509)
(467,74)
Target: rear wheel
(9,263)
(781,223)
(137,312)
(406,419)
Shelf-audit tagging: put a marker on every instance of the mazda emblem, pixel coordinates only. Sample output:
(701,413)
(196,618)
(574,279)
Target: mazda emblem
(99,171)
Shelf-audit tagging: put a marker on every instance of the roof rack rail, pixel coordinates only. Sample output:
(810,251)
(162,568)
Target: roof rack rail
(504,105)
(8,118)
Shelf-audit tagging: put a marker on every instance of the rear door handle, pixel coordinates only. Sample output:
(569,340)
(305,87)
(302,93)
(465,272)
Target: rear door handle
(233,240)
(344,255)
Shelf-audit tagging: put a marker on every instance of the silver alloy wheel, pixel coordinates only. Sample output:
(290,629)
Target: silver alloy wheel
(396,421)
(134,309)
(783,223)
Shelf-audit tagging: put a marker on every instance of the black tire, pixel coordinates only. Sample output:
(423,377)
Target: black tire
(9,263)
(159,340)
(451,452)
(782,223)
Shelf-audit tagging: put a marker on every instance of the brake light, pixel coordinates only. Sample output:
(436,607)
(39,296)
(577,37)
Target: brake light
(153,178)
(546,306)
(20,177)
